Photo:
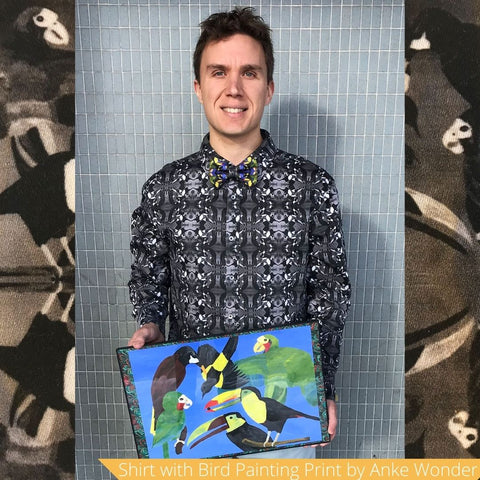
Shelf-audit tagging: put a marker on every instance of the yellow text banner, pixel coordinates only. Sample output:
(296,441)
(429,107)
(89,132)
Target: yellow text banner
(249,469)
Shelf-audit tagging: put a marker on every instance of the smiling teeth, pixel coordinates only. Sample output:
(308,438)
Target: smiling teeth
(234,110)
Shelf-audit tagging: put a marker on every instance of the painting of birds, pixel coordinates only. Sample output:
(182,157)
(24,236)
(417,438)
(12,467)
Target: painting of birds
(281,368)
(238,431)
(171,422)
(169,376)
(218,370)
(263,410)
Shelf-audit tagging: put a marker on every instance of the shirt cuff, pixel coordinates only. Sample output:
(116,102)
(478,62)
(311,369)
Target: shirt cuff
(146,320)
(330,392)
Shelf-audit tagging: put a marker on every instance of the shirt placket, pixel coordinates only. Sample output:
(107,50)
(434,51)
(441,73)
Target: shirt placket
(233,244)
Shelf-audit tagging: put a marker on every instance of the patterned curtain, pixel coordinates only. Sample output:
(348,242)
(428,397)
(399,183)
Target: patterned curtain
(37,67)
(442,253)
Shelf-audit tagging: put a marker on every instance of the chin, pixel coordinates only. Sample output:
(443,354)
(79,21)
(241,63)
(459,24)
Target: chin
(233,132)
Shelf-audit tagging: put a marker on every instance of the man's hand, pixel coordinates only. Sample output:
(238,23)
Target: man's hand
(332,420)
(148,333)
(332,423)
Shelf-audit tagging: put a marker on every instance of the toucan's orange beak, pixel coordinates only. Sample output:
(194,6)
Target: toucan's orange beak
(223,400)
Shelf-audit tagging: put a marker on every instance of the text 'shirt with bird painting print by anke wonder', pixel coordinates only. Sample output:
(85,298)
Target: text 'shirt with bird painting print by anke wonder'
(225,396)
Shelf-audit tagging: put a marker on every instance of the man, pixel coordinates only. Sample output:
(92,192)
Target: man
(240,235)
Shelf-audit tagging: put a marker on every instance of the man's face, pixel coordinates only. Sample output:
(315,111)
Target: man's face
(233,87)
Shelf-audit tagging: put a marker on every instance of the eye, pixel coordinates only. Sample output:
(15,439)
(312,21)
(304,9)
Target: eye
(218,73)
(45,18)
(250,74)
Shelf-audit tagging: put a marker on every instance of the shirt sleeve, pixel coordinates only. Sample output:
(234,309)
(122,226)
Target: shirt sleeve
(328,285)
(150,274)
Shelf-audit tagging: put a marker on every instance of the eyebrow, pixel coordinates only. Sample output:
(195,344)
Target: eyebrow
(215,66)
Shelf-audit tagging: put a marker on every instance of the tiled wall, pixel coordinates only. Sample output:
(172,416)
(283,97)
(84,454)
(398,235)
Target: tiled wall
(338,101)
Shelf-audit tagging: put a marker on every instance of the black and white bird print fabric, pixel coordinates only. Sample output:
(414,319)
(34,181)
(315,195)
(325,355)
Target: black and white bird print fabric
(37,214)
(457,45)
(442,252)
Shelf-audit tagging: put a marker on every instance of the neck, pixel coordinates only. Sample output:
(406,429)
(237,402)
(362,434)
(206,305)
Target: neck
(235,150)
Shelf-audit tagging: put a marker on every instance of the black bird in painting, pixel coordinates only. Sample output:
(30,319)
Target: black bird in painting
(218,370)
(44,195)
(263,410)
(169,375)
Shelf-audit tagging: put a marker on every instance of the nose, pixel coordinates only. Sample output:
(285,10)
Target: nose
(234,86)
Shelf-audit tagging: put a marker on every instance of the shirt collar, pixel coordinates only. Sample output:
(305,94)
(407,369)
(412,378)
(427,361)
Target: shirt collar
(265,151)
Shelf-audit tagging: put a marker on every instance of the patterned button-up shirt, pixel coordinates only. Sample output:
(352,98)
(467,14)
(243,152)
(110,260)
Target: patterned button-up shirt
(238,257)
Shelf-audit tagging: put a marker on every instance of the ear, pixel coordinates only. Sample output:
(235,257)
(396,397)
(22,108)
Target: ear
(270,90)
(198,91)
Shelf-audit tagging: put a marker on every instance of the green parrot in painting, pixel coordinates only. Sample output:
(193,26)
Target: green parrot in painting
(171,422)
(281,368)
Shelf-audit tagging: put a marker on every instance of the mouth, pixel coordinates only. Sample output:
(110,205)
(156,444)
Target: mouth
(233,110)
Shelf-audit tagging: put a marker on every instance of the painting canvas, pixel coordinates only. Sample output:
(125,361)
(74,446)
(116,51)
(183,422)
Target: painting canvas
(226,395)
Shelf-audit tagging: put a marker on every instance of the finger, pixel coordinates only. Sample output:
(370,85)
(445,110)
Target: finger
(138,339)
(332,431)
(332,436)
(136,343)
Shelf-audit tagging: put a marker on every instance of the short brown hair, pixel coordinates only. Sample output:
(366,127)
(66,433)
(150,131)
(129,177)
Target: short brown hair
(225,24)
